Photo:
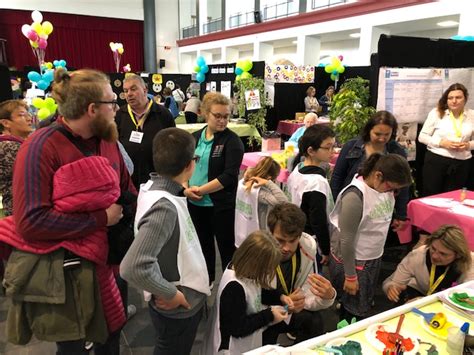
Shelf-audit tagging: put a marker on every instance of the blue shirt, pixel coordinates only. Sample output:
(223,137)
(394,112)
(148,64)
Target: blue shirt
(201,171)
(295,137)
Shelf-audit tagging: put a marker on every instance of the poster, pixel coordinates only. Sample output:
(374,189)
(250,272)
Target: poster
(406,137)
(213,86)
(252,100)
(226,87)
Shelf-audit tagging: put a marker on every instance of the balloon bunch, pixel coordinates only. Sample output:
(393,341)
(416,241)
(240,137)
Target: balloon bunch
(46,107)
(242,69)
(201,69)
(463,38)
(335,68)
(117,50)
(38,34)
(127,68)
(44,80)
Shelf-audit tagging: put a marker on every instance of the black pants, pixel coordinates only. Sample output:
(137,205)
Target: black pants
(441,174)
(191,117)
(210,222)
(77,347)
(174,336)
(303,325)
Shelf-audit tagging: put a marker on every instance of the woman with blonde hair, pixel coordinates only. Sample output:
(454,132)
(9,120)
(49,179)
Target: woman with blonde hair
(257,193)
(311,103)
(444,259)
(239,318)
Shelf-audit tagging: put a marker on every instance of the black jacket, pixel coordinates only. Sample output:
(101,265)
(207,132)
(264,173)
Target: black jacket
(141,154)
(224,164)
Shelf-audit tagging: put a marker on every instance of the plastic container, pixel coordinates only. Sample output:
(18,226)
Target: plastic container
(463,194)
(456,336)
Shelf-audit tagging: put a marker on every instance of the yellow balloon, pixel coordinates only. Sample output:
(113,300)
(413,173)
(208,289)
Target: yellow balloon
(43,113)
(120,50)
(38,102)
(34,44)
(47,27)
(37,27)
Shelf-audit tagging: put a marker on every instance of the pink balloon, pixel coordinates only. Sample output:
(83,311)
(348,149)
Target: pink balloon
(25,29)
(32,35)
(42,43)
(340,57)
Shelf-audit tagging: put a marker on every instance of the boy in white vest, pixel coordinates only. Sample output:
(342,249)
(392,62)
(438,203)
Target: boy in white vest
(165,258)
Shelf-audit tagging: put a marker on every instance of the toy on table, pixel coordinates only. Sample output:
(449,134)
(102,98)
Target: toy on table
(463,299)
(437,323)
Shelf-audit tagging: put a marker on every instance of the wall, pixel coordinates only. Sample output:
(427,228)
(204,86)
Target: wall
(167,32)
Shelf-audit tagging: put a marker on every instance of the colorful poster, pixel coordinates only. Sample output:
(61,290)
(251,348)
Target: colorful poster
(289,73)
(252,99)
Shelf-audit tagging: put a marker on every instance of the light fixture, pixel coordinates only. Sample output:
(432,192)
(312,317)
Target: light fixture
(294,42)
(447,23)
(355,35)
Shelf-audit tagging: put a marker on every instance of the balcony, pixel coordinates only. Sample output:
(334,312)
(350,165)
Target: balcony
(213,26)
(190,31)
(321,4)
(239,20)
(283,9)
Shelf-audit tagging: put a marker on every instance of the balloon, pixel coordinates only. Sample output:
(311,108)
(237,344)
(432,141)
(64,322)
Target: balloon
(120,50)
(37,16)
(200,61)
(42,43)
(238,77)
(34,76)
(239,64)
(56,63)
(334,77)
(341,69)
(48,75)
(34,44)
(238,71)
(204,69)
(38,102)
(53,108)
(32,35)
(197,69)
(25,29)
(62,63)
(335,72)
(200,77)
(43,113)
(36,26)
(42,84)
(49,65)
(328,68)
(49,102)
(47,27)
(246,75)
(247,65)
(341,58)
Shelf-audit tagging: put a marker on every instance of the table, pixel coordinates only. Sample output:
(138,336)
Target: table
(241,129)
(430,218)
(288,127)
(412,326)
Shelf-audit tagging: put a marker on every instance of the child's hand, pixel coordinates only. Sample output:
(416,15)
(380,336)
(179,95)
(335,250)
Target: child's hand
(298,298)
(279,314)
(287,301)
(351,286)
(175,302)
(259,181)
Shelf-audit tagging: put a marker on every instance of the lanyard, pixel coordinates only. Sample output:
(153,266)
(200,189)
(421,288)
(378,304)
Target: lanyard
(457,128)
(293,274)
(140,121)
(434,284)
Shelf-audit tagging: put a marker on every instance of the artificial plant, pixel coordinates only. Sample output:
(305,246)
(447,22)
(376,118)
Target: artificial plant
(255,118)
(350,109)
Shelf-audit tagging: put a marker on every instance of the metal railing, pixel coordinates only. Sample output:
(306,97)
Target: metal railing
(319,4)
(213,26)
(190,31)
(283,9)
(239,19)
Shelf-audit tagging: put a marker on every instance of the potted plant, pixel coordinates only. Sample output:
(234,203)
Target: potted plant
(350,109)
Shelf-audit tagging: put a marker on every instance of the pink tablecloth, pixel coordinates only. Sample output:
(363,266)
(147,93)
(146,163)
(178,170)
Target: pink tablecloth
(430,218)
(288,128)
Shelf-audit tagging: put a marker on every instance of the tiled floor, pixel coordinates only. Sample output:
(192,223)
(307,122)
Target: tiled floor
(137,336)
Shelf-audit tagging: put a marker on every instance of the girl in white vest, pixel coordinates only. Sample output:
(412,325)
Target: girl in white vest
(360,221)
(309,187)
(257,193)
(238,317)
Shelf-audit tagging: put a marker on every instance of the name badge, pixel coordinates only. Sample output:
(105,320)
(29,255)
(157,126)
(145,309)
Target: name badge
(136,137)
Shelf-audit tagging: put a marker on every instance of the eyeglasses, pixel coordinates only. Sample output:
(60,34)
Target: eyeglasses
(219,116)
(114,103)
(196,158)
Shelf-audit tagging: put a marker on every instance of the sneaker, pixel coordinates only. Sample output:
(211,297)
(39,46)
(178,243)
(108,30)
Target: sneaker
(291,336)
(131,311)
(88,345)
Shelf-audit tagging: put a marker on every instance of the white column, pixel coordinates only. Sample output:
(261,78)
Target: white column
(368,43)
(187,62)
(262,51)
(307,50)
(230,55)
(202,16)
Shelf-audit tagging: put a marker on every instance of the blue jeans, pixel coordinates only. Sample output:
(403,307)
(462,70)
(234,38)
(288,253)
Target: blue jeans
(174,336)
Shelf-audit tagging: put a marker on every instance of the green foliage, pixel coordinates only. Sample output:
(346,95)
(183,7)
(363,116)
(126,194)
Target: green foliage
(350,109)
(255,118)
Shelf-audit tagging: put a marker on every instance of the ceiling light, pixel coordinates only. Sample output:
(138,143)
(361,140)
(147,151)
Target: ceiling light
(355,35)
(448,23)
(294,42)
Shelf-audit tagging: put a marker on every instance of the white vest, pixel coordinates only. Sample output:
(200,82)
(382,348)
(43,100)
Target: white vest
(373,227)
(237,346)
(191,263)
(246,212)
(299,183)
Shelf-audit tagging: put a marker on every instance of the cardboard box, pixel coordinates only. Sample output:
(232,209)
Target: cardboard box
(269,144)
(299,116)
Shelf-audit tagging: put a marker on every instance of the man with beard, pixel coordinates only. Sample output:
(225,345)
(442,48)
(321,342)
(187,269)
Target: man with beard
(86,128)
(138,122)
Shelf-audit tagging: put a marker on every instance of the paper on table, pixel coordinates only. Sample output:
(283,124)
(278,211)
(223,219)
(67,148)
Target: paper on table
(440,202)
(463,210)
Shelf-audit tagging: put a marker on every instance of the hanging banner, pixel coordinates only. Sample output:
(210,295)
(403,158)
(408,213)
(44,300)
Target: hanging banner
(289,73)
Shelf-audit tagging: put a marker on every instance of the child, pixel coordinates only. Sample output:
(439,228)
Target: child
(239,317)
(165,258)
(360,221)
(256,195)
(308,186)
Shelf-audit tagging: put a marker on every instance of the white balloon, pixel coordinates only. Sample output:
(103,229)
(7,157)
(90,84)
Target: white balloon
(37,16)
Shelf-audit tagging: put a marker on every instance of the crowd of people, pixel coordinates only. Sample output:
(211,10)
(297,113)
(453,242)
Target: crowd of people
(105,178)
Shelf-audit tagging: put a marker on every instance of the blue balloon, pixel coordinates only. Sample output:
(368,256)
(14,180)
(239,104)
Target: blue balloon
(238,71)
(34,76)
(43,85)
(201,61)
(62,63)
(48,76)
(335,72)
(204,69)
(56,63)
(200,77)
